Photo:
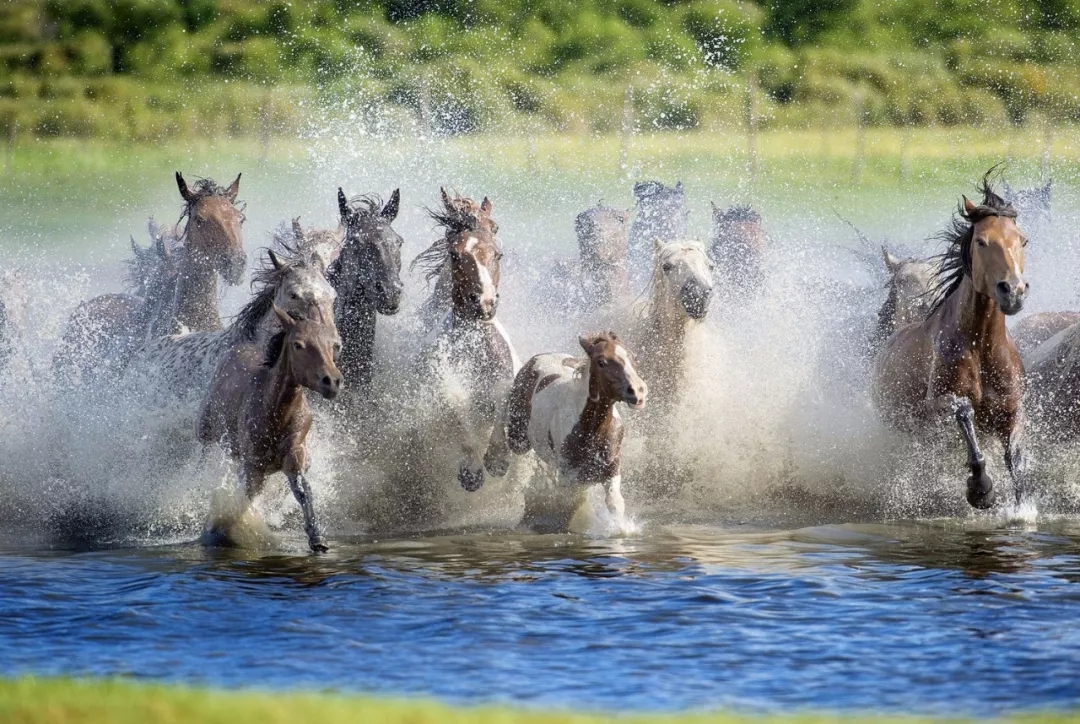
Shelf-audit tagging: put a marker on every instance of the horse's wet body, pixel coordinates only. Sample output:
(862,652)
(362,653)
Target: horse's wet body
(738,245)
(960,360)
(602,248)
(909,295)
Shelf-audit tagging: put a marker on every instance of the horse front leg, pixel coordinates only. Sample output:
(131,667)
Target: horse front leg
(613,497)
(497,457)
(302,492)
(980,487)
(1016,458)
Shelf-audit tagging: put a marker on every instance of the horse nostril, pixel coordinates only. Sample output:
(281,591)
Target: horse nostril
(328,381)
(1004,288)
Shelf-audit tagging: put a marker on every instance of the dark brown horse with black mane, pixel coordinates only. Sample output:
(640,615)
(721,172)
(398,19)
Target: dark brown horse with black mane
(367,278)
(960,360)
(737,246)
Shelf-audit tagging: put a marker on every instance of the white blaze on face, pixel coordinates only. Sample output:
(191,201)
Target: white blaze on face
(487,284)
(632,378)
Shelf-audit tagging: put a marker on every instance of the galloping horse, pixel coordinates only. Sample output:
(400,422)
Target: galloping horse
(321,246)
(173,289)
(661,214)
(462,214)
(680,292)
(180,366)
(367,278)
(737,245)
(601,234)
(960,360)
(258,411)
(564,409)
(469,358)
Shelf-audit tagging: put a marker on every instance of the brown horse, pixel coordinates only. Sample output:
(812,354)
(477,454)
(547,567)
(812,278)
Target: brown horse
(258,411)
(738,245)
(173,287)
(601,233)
(469,359)
(564,409)
(960,359)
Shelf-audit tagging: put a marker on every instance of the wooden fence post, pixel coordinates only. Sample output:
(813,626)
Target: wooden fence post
(751,124)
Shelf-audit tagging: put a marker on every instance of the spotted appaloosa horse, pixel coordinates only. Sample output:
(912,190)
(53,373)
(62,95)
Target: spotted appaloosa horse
(661,214)
(367,278)
(960,360)
(174,287)
(257,408)
(468,359)
(565,409)
(738,245)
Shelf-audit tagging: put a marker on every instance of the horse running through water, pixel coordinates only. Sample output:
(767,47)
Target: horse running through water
(909,285)
(564,409)
(179,367)
(680,292)
(258,411)
(738,245)
(601,234)
(960,360)
(367,279)
(321,246)
(661,214)
(173,287)
(469,358)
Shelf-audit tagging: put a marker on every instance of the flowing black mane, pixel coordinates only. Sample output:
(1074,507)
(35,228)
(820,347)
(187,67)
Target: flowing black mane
(455,217)
(366,205)
(954,263)
(738,214)
(264,285)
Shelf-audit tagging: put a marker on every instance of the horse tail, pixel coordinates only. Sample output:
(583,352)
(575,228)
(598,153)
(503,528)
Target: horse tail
(519,407)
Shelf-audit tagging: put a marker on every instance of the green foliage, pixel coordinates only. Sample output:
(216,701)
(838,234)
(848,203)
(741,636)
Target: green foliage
(78,67)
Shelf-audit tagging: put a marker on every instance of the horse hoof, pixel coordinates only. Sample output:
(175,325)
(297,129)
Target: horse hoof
(497,465)
(471,480)
(980,491)
(319,546)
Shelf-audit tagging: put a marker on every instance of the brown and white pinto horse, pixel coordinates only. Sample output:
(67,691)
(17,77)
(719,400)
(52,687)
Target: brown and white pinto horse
(960,360)
(468,357)
(564,409)
(258,411)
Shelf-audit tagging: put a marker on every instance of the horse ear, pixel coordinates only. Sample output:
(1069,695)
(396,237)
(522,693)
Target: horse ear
(342,205)
(485,205)
(390,211)
(658,244)
(287,322)
(234,188)
(135,248)
(586,342)
(678,186)
(891,262)
(969,207)
(297,230)
(445,198)
(182,185)
(275,259)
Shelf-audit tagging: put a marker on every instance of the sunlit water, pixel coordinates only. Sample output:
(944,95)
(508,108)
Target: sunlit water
(914,617)
(101,507)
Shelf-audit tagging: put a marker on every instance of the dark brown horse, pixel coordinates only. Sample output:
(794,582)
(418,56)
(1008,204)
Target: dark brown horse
(173,287)
(601,234)
(258,411)
(367,278)
(960,360)
(737,246)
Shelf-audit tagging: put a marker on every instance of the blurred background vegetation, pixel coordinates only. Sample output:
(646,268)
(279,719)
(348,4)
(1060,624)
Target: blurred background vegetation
(148,70)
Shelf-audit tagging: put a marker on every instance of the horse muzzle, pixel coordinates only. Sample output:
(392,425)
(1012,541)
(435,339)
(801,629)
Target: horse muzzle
(232,268)
(695,299)
(1010,297)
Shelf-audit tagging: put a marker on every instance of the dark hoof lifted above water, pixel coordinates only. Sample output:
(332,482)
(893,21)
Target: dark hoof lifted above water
(318,545)
(471,480)
(980,490)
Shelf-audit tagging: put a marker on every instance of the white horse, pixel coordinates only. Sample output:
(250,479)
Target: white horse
(564,409)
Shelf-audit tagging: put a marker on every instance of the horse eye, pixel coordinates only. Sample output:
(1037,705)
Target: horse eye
(668,266)
(601,363)
(293,295)
(980,241)
(498,256)
(298,345)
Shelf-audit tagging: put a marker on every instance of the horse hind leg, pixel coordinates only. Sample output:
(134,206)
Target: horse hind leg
(1016,459)
(980,487)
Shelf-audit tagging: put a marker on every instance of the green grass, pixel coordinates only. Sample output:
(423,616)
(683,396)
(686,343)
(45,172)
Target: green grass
(37,701)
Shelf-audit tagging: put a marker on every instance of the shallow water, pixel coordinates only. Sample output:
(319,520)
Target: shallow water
(937,616)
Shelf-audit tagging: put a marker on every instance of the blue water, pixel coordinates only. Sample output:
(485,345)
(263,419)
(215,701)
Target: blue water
(933,617)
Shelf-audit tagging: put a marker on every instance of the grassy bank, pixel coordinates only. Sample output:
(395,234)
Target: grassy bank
(34,701)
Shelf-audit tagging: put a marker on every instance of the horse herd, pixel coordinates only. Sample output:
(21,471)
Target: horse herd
(942,348)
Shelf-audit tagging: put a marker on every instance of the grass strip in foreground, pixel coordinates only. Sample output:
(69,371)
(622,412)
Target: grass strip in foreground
(61,701)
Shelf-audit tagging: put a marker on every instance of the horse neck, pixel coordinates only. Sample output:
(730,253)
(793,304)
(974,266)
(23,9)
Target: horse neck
(667,324)
(195,302)
(599,407)
(281,394)
(976,317)
(357,329)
